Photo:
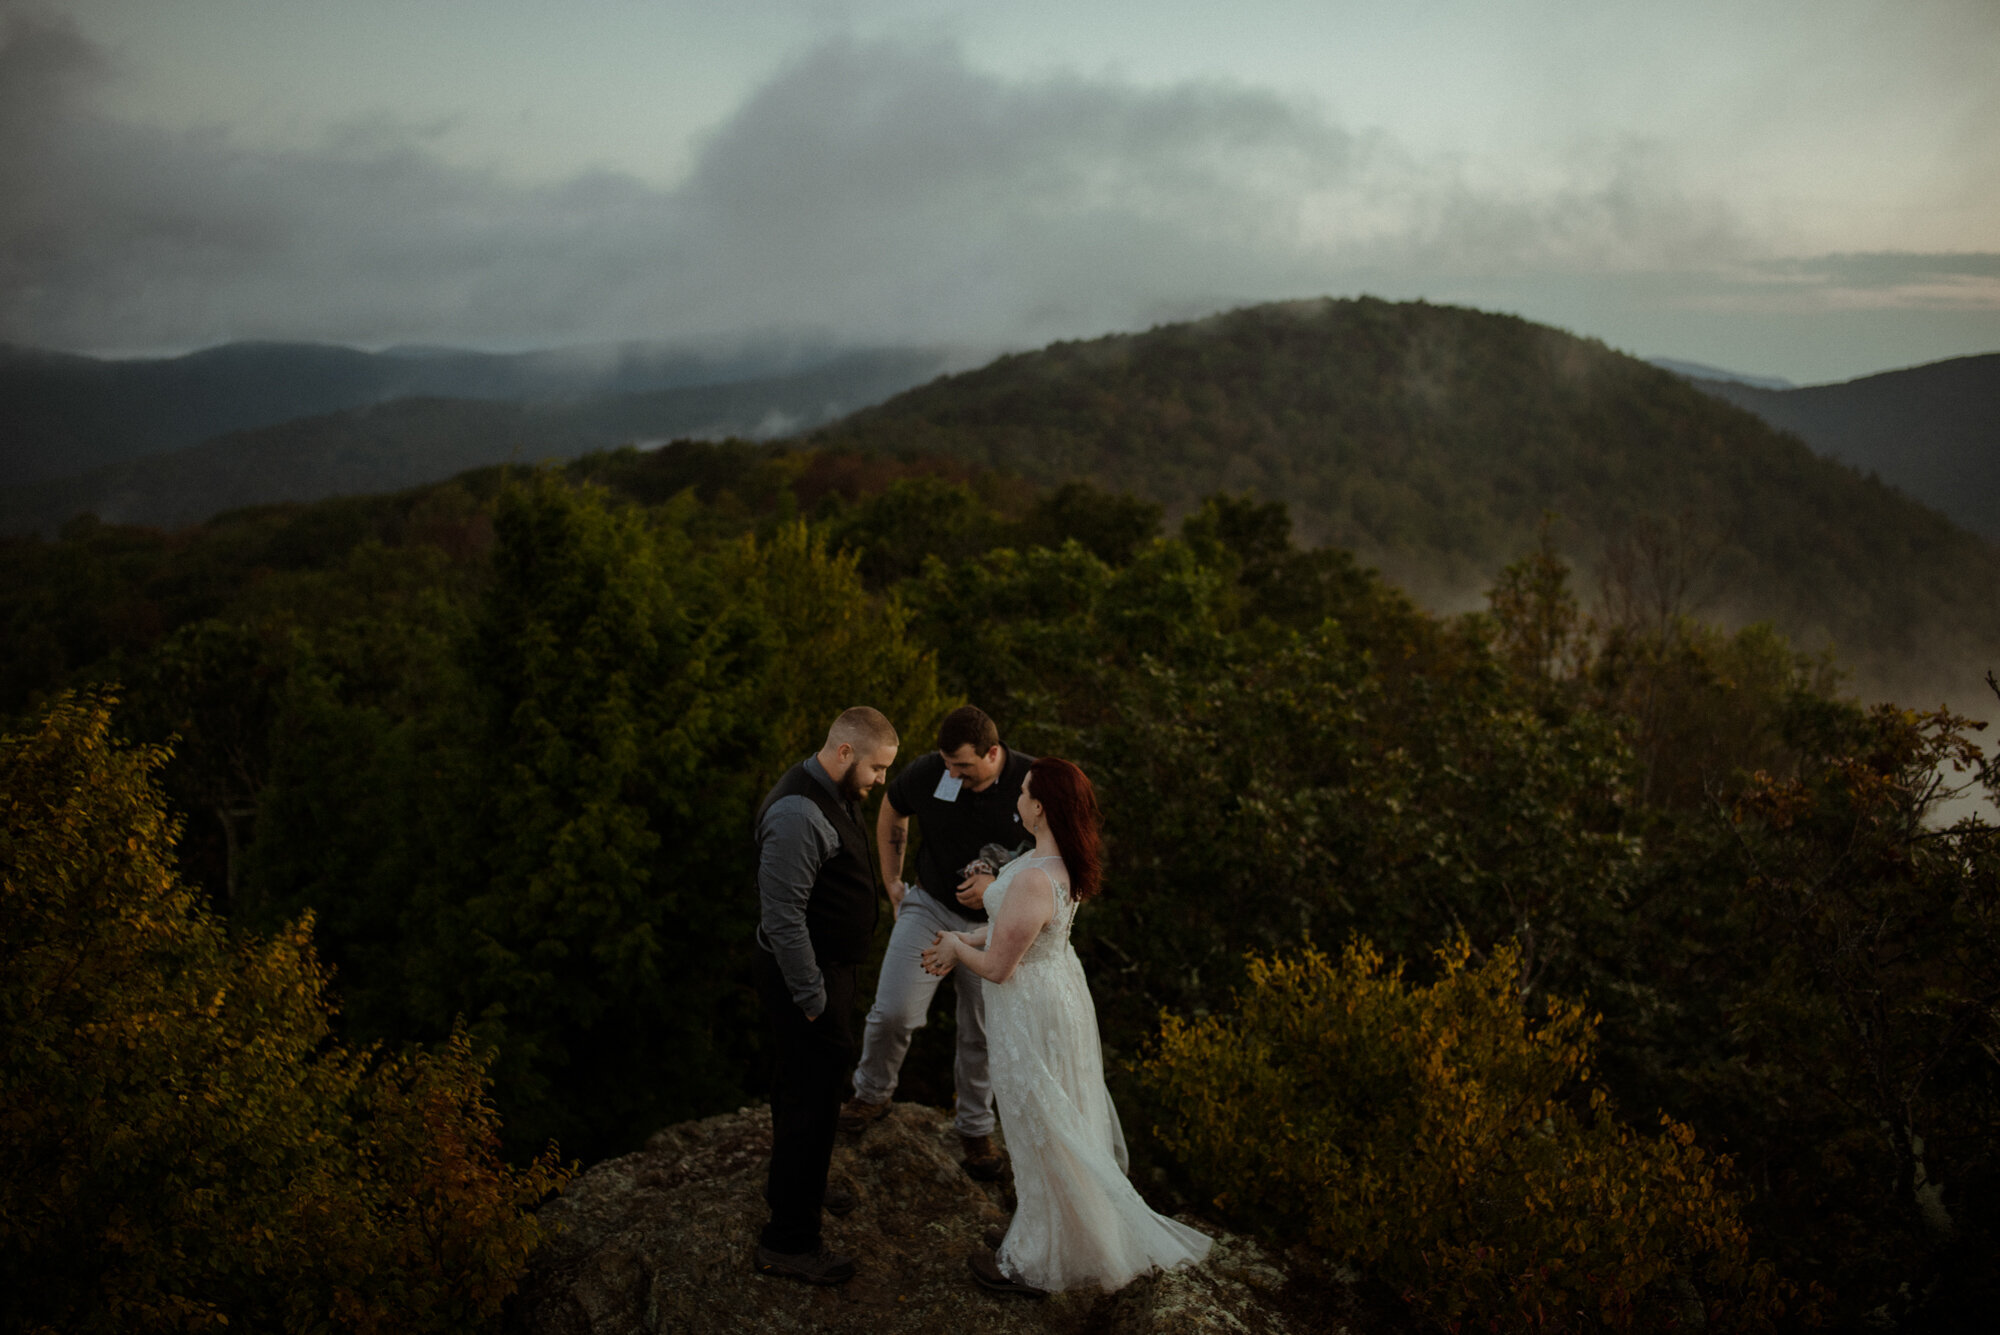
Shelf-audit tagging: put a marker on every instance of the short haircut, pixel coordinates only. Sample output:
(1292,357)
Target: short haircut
(967,726)
(862,728)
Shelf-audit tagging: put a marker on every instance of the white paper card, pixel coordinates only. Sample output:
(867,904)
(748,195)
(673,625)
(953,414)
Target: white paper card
(947,789)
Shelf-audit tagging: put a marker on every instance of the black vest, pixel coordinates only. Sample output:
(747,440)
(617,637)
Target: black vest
(843,906)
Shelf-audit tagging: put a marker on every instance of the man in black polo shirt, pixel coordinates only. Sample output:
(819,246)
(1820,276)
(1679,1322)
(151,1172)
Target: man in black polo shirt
(962,796)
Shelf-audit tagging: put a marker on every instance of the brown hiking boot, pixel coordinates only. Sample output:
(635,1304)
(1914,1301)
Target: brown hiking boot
(857,1116)
(983,1162)
(820,1267)
(990,1276)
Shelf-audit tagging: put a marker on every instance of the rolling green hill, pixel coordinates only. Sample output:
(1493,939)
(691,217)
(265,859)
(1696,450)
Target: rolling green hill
(1431,440)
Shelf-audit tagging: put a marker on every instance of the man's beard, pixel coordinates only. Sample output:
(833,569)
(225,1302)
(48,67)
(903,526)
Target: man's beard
(849,785)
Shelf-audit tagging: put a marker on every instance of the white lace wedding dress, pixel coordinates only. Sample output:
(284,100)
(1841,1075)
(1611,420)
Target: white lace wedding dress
(1078,1220)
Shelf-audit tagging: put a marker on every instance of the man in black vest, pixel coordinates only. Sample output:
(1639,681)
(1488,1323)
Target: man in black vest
(816,894)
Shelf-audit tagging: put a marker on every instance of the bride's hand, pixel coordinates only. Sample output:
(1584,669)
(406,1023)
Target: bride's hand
(941,954)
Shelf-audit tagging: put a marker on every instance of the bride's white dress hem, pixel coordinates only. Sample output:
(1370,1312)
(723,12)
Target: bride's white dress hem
(1079,1222)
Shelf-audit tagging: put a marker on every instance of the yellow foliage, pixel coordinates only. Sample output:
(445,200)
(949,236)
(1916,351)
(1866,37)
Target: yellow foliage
(182,1146)
(1427,1133)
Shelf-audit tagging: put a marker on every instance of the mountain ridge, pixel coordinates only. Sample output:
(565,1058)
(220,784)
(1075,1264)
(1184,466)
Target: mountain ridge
(1703,371)
(1432,440)
(1932,430)
(411,441)
(68,414)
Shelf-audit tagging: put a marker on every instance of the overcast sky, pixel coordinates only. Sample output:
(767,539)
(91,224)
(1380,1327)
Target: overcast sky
(1807,189)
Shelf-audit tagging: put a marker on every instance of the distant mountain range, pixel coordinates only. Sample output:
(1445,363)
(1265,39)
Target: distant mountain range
(1431,440)
(63,415)
(1932,430)
(408,441)
(1701,371)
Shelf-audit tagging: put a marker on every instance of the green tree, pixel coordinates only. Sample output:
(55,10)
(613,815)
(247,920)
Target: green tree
(1429,1133)
(182,1147)
(1272,764)
(373,776)
(1855,971)
(1542,633)
(893,532)
(1112,526)
(211,687)
(634,694)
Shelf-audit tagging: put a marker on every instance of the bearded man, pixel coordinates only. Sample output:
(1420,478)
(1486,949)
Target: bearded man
(817,911)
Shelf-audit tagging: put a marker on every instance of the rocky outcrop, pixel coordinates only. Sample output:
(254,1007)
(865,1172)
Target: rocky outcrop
(661,1240)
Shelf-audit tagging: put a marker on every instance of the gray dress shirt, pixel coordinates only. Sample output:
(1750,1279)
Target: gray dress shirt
(794,840)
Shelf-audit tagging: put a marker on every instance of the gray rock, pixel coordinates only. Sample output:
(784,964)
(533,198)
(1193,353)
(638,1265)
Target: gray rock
(660,1241)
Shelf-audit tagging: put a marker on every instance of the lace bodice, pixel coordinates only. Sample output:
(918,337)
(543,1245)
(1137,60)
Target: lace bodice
(1053,940)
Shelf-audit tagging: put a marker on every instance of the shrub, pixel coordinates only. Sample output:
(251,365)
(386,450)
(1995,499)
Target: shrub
(1425,1132)
(182,1147)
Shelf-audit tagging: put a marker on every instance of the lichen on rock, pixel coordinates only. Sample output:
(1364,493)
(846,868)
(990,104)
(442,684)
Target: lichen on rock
(661,1241)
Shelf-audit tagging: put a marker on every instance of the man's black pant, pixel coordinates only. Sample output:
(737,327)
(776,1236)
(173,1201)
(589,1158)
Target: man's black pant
(813,1058)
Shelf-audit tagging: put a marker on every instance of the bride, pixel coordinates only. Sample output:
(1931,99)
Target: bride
(1078,1221)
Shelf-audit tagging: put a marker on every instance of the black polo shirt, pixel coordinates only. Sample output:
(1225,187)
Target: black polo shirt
(951,831)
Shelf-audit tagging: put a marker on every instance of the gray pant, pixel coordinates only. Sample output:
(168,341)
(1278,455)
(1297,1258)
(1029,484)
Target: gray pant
(903,1004)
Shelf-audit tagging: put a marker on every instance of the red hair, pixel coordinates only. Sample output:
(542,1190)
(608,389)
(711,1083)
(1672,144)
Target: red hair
(1069,804)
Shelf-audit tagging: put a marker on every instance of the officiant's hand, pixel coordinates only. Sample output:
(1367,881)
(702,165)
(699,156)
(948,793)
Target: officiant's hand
(941,954)
(972,890)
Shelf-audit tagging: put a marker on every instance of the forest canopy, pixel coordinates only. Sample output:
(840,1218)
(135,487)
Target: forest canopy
(489,749)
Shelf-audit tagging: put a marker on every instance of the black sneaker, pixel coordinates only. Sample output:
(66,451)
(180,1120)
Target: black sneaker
(820,1267)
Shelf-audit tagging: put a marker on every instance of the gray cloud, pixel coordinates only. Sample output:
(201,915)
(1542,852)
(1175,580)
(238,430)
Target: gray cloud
(880,191)
(1919,279)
